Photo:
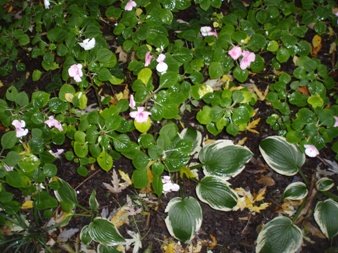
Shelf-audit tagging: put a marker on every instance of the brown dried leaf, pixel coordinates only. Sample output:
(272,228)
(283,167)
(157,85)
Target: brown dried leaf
(123,56)
(313,230)
(121,217)
(304,90)
(213,242)
(266,180)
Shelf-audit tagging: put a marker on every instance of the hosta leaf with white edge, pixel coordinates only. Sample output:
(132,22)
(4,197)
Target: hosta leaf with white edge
(216,193)
(195,136)
(104,232)
(184,218)
(279,235)
(224,159)
(295,191)
(283,157)
(326,216)
(65,194)
(324,184)
(84,235)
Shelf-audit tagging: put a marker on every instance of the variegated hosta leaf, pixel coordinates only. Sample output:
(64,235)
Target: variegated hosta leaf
(283,157)
(106,249)
(184,218)
(279,235)
(193,135)
(65,194)
(224,159)
(295,191)
(324,184)
(216,193)
(104,232)
(84,235)
(326,216)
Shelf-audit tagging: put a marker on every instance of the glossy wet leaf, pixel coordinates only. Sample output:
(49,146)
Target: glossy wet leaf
(283,157)
(105,161)
(104,232)
(184,218)
(216,193)
(324,184)
(279,235)
(325,214)
(224,159)
(65,194)
(295,191)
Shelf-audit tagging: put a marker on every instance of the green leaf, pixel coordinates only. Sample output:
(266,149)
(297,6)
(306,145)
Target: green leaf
(43,200)
(326,213)
(105,161)
(295,191)
(241,75)
(144,75)
(283,157)
(104,232)
(279,235)
(315,101)
(65,194)
(84,235)
(80,149)
(169,79)
(8,140)
(283,55)
(184,218)
(273,46)
(29,164)
(65,91)
(40,99)
(216,193)
(17,179)
(106,57)
(12,158)
(324,184)
(93,204)
(215,70)
(140,178)
(36,75)
(212,158)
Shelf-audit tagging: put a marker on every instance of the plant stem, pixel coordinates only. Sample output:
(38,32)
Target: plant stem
(303,177)
(331,195)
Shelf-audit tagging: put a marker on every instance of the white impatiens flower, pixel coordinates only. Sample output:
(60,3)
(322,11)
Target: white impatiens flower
(169,186)
(88,44)
(75,71)
(311,150)
(20,130)
(46,4)
(161,66)
(207,31)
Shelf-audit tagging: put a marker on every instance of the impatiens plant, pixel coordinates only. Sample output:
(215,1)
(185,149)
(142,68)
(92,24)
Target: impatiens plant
(149,93)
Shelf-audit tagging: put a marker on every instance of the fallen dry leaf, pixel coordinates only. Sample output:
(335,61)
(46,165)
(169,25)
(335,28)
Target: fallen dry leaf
(266,181)
(28,204)
(123,56)
(316,45)
(304,90)
(121,217)
(247,200)
(313,230)
(242,141)
(252,125)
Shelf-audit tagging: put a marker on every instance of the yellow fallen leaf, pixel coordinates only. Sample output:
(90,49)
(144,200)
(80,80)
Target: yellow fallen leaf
(125,177)
(316,45)
(247,200)
(121,217)
(213,242)
(266,180)
(242,141)
(260,195)
(28,204)
(261,95)
(252,125)
(188,173)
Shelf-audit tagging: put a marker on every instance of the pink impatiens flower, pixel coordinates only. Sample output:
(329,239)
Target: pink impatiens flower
(147,59)
(75,71)
(336,121)
(140,115)
(132,102)
(20,130)
(207,31)
(311,150)
(161,66)
(52,122)
(248,58)
(235,52)
(130,5)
